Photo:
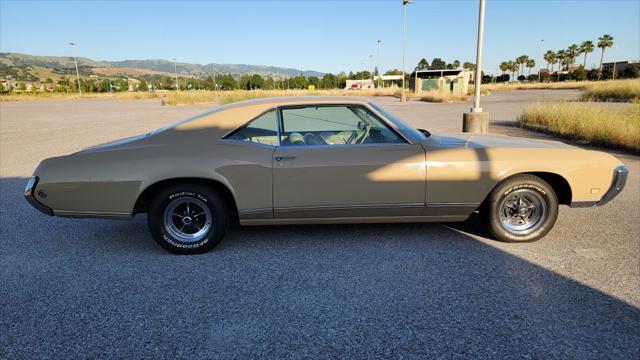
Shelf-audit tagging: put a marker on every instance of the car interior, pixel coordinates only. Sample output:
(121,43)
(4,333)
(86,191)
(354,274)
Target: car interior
(319,125)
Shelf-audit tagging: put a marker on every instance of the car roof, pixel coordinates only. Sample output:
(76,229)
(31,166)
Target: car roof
(300,100)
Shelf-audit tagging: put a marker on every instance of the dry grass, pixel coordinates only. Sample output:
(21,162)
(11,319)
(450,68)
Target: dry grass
(601,124)
(442,97)
(617,90)
(52,96)
(200,96)
(579,85)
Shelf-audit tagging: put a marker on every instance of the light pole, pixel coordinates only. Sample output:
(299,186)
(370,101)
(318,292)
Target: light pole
(477,121)
(374,68)
(541,50)
(75,60)
(378,61)
(175,72)
(403,98)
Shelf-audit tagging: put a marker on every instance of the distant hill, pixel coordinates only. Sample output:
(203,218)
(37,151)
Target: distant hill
(12,63)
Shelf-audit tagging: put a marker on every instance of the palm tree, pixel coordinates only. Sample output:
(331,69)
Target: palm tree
(521,61)
(572,52)
(514,67)
(531,63)
(550,58)
(604,42)
(561,55)
(586,47)
(504,67)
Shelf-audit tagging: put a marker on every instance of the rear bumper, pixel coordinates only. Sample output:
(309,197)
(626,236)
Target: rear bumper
(617,184)
(29,195)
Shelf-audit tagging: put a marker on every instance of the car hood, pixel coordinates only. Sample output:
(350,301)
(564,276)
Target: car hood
(491,141)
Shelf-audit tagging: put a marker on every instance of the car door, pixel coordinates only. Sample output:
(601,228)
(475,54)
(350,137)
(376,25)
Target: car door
(344,161)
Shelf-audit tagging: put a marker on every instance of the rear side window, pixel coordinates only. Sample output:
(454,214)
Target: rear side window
(262,130)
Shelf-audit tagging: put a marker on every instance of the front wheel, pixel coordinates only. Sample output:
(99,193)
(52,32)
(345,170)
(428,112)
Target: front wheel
(188,218)
(523,208)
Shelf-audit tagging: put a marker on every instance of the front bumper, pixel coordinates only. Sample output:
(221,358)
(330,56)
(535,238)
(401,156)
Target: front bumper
(30,196)
(619,181)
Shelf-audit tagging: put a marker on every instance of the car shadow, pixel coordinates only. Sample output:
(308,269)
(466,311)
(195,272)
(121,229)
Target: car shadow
(375,290)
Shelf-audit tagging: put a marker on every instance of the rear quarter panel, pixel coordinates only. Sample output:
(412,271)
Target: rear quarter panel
(467,175)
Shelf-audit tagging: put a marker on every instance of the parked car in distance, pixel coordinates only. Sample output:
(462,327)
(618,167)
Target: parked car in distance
(312,160)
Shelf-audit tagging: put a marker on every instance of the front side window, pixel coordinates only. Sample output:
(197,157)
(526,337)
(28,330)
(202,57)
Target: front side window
(334,125)
(262,130)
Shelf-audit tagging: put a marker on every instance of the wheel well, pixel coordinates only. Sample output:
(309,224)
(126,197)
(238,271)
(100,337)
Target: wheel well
(559,185)
(145,198)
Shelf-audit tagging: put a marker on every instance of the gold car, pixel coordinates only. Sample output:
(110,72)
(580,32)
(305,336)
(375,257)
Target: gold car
(313,160)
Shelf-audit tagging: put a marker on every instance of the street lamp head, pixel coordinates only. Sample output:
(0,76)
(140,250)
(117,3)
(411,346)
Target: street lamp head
(406,2)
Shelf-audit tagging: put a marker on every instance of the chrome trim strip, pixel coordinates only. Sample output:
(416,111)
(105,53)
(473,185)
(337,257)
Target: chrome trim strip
(254,211)
(452,204)
(330,146)
(92,214)
(272,147)
(348,207)
(617,184)
(355,220)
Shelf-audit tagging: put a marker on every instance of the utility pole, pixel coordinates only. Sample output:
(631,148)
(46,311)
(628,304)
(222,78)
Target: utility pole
(175,71)
(75,60)
(403,98)
(378,62)
(477,121)
(541,50)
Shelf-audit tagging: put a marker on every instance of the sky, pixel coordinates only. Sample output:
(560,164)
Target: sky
(327,36)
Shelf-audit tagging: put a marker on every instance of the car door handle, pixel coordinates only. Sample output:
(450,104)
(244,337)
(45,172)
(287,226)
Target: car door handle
(288,157)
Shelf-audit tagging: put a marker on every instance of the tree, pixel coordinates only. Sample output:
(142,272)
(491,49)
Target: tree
(531,63)
(143,85)
(438,64)
(456,64)
(313,80)
(503,78)
(504,67)
(550,58)
(22,86)
(605,41)
(329,81)
(561,56)
(630,72)
(585,48)
(257,81)
(521,61)
(572,53)
(423,64)
(513,67)
(469,66)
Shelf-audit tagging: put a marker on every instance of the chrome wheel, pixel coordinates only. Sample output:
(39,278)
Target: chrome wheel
(522,211)
(187,219)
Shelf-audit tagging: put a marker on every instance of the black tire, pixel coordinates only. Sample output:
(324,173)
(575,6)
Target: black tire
(508,222)
(179,197)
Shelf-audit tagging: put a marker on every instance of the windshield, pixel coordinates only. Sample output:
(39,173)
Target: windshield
(399,123)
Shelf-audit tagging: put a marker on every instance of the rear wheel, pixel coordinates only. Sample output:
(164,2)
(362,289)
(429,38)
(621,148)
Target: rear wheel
(188,218)
(523,208)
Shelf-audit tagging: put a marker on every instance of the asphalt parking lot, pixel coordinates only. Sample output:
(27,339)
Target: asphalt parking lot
(98,288)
